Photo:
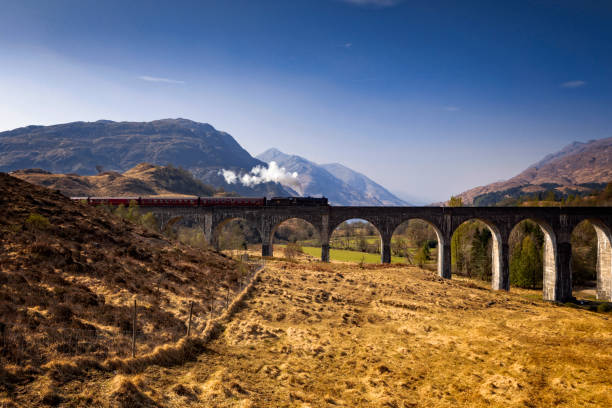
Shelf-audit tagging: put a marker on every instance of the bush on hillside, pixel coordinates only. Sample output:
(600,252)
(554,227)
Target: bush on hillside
(37,222)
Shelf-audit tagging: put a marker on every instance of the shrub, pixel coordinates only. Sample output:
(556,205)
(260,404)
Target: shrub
(194,237)
(422,255)
(37,222)
(604,307)
(292,250)
(150,221)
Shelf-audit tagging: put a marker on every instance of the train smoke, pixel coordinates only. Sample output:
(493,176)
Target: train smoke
(260,174)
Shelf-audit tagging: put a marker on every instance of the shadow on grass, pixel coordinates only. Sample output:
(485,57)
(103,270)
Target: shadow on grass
(591,305)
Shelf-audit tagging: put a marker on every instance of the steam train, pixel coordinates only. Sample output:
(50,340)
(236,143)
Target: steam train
(205,201)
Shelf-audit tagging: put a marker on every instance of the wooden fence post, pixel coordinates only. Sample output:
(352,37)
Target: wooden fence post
(134,332)
(212,305)
(3,331)
(189,325)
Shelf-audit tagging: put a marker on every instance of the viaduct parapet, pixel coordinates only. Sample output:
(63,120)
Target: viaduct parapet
(557,224)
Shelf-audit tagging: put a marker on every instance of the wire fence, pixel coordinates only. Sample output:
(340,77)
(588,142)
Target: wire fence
(21,344)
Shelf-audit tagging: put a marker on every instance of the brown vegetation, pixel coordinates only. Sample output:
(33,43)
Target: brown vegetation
(316,334)
(143,179)
(306,334)
(69,274)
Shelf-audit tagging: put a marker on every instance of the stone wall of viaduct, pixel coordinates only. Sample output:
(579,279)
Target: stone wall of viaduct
(557,223)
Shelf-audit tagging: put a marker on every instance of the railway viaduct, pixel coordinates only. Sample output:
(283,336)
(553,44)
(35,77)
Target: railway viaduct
(557,224)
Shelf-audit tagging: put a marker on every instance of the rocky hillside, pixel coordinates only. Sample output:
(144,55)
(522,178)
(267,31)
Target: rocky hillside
(69,275)
(341,185)
(85,147)
(142,180)
(577,169)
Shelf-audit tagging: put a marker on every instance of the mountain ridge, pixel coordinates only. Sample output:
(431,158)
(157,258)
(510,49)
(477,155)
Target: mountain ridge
(340,184)
(80,147)
(142,180)
(578,168)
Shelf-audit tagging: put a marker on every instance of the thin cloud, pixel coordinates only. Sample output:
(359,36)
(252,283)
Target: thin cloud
(158,79)
(374,3)
(452,108)
(573,84)
(348,45)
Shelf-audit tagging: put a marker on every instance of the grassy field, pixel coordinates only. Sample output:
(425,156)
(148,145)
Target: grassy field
(324,335)
(370,239)
(343,255)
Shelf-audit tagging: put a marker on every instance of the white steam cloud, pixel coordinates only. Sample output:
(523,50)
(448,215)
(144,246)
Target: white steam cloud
(260,174)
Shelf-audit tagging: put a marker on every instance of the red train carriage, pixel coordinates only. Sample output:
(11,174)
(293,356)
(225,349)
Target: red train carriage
(177,201)
(168,201)
(111,201)
(232,201)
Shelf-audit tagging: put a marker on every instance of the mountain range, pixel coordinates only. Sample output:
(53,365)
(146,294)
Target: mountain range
(111,150)
(341,185)
(578,168)
(86,147)
(106,151)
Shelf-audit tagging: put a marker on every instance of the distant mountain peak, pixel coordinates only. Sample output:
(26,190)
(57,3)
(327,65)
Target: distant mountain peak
(273,154)
(273,151)
(576,168)
(340,184)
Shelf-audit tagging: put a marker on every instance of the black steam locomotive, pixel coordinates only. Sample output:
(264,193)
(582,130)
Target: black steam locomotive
(303,201)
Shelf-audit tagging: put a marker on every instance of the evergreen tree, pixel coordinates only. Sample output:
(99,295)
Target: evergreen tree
(422,255)
(455,202)
(457,250)
(479,254)
(526,264)
(550,196)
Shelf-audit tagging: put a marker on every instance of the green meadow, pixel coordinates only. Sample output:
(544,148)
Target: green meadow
(346,255)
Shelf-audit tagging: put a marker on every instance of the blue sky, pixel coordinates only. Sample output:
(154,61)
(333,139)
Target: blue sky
(429,98)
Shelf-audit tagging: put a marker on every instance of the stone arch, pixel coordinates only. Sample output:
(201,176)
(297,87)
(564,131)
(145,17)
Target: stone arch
(216,228)
(439,237)
(551,285)
(173,216)
(499,248)
(277,223)
(335,223)
(604,257)
(384,250)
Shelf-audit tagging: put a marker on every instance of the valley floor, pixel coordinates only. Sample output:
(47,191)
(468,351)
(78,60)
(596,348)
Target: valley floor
(315,335)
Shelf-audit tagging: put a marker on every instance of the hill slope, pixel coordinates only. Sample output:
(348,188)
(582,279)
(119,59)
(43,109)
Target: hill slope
(577,168)
(69,275)
(341,185)
(79,147)
(144,179)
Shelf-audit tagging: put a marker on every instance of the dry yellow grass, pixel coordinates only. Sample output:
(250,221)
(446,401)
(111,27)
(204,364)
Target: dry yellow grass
(68,281)
(314,335)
